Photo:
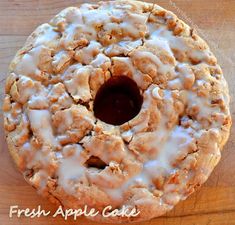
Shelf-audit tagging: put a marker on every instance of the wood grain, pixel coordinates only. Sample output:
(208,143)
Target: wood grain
(214,203)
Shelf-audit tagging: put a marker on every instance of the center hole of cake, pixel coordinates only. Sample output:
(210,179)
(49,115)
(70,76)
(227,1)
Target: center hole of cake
(118,100)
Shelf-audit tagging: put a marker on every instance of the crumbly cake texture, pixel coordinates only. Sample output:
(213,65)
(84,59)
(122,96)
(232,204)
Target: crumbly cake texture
(154,160)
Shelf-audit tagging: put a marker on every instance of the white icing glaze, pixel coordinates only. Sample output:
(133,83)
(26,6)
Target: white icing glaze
(100,17)
(127,135)
(71,169)
(155,93)
(78,84)
(162,68)
(87,54)
(29,63)
(130,45)
(46,35)
(179,137)
(160,166)
(117,195)
(41,125)
(160,43)
(174,42)
(204,105)
(100,60)
(179,43)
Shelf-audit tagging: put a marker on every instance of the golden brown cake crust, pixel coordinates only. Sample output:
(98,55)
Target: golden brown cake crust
(151,162)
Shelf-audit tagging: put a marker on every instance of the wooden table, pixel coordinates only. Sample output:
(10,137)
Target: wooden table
(214,203)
